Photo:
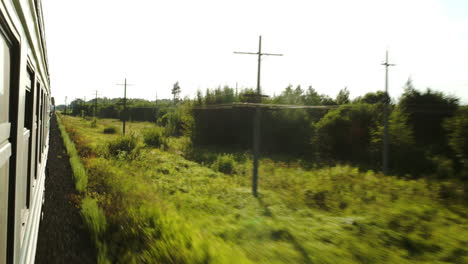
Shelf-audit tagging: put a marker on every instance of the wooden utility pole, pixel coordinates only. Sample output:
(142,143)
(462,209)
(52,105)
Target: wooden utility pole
(65,111)
(257,116)
(386,103)
(125,104)
(95,105)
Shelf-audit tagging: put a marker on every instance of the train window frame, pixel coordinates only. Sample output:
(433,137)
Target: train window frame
(29,124)
(5,145)
(41,120)
(11,34)
(38,125)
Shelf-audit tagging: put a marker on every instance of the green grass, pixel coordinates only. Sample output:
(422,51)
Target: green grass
(93,216)
(79,172)
(163,208)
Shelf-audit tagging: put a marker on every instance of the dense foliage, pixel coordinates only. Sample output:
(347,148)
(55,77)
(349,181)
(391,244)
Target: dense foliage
(422,130)
(425,136)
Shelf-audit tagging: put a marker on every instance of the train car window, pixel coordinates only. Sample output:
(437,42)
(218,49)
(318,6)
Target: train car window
(28,125)
(4,81)
(41,121)
(44,121)
(38,125)
(5,145)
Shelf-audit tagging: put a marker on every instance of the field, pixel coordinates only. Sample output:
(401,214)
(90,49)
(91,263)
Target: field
(160,206)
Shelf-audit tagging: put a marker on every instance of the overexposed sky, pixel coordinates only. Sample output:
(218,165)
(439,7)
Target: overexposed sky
(95,44)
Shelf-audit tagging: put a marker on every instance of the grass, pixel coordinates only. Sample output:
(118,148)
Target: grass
(91,214)
(162,208)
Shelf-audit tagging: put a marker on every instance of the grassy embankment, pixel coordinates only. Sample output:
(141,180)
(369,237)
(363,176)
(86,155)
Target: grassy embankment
(162,208)
(93,216)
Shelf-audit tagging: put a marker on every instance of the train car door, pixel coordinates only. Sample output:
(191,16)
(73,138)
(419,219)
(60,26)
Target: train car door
(5,144)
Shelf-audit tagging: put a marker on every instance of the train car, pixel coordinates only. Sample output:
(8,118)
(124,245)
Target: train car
(24,127)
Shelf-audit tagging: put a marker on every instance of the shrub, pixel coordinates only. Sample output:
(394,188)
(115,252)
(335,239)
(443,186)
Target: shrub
(94,123)
(457,134)
(123,144)
(225,164)
(110,130)
(345,134)
(155,137)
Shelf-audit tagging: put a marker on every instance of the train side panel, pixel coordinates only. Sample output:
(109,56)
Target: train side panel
(24,126)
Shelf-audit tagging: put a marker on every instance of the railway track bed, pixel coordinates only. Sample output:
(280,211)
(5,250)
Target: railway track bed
(62,234)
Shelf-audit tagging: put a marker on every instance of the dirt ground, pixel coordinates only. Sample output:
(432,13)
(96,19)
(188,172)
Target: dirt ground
(62,235)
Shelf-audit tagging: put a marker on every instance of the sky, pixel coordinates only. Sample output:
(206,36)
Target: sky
(95,44)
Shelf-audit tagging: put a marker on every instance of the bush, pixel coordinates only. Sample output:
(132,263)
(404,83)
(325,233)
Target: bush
(457,134)
(155,137)
(93,123)
(123,144)
(225,164)
(110,130)
(345,134)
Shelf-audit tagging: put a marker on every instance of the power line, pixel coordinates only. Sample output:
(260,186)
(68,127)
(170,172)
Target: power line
(65,112)
(266,106)
(385,139)
(125,84)
(95,103)
(256,132)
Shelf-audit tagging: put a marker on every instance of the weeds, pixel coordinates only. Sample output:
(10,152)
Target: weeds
(123,145)
(225,164)
(155,137)
(91,214)
(163,208)
(110,130)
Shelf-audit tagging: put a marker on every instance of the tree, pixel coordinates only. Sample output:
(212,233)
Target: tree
(343,96)
(199,100)
(326,100)
(426,113)
(291,96)
(312,97)
(457,133)
(176,91)
(373,98)
(345,134)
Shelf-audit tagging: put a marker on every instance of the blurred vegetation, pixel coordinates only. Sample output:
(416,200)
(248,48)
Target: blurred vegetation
(92,215)
(162,208)
(427,128)
(110,130)
(176,188)
(155,137)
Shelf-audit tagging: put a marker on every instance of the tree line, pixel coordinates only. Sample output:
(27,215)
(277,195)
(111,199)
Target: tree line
(428,129)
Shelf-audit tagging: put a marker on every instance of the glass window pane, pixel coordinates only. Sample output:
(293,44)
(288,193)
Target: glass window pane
(4,79)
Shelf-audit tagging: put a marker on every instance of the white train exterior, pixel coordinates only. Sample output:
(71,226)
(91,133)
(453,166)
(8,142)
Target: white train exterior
(24,127)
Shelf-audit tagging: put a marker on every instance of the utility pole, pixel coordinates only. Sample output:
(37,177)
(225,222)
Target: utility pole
(386,103)
(257,116)
(95,105)
(65,105)
(125,104)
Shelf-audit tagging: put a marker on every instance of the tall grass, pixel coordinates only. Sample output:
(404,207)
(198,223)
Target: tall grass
(92,216)
(79,172)
(162,208)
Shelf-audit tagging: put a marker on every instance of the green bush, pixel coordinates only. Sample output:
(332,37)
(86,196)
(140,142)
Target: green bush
(345,134)
(94,123)
(155,137)
(225,164)
(457,134)
(123,144)
(110,130)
